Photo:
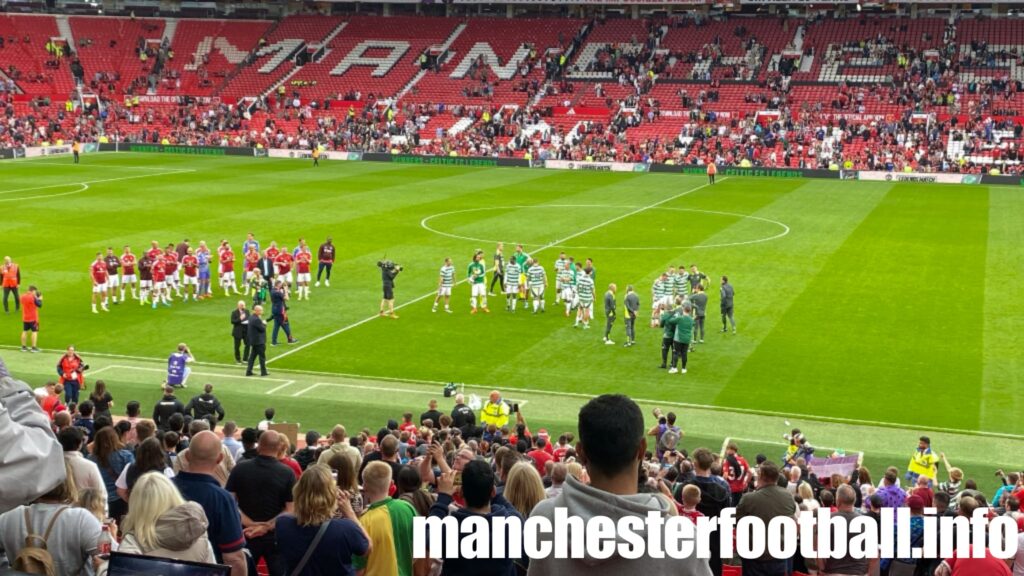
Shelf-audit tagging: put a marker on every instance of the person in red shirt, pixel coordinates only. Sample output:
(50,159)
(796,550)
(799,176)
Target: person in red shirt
(563,447)
(252,259)
(160,290)
(736,472)
(98,271)
(303,260)
(128,272)
(540,456)
(31,301)
(273,252)
(154,251)
(10,277)
(69,368)
(283,264)
(170,258)
(227,270)
(190,268)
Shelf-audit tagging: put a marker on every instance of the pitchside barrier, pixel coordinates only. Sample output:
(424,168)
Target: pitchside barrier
(484,161)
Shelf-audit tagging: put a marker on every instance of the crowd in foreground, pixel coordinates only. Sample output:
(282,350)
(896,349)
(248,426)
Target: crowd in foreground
(176,486)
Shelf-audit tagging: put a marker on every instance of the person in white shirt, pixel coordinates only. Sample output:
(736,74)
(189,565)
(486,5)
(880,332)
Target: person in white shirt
(85,471)
(268,419)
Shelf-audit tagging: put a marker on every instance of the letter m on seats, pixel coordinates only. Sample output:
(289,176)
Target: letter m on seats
(381,65)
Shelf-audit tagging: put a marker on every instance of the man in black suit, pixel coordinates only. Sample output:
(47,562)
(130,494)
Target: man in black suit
(239,330)
(266,267)
(279,312)
(257,341)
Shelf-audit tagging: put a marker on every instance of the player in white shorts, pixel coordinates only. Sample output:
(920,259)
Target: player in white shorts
(445,281)
(537,279)
(512,272)
(476,274)
(567,285)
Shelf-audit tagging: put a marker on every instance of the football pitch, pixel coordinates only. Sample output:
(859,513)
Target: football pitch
(868,312)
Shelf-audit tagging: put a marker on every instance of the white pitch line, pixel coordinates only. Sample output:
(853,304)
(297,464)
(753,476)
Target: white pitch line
(558,242)
(304,390)
(87,182)
(203,374)
(564,394)
(282,386)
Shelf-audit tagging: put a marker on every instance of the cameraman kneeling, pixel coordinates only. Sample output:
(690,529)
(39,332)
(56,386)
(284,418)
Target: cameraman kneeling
(388,271)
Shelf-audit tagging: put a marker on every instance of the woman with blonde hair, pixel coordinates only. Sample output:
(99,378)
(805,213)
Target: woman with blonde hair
(160,523)
(524,488)
(805,492)
(311,540)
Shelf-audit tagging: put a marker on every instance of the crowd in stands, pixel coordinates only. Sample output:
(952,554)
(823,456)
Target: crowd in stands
(189,486)
(662,110)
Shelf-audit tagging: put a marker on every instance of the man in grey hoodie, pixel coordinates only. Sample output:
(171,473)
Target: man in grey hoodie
(611,446)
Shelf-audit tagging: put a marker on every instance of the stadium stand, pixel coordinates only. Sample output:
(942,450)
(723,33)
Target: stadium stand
(824,92)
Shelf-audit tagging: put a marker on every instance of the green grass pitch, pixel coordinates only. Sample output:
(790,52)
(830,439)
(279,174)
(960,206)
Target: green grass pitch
(861,306)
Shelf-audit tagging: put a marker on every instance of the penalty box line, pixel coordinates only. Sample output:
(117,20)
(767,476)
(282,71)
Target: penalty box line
(547,246)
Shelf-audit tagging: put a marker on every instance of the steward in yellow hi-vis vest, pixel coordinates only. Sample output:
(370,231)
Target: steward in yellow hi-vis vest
(495,412)
(924,462)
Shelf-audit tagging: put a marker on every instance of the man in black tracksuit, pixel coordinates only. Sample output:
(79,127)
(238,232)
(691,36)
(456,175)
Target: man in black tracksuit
(464,418)
(167,407)
(205,404)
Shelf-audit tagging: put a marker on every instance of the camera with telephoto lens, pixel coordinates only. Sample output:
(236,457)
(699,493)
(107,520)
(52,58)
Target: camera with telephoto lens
(388,265)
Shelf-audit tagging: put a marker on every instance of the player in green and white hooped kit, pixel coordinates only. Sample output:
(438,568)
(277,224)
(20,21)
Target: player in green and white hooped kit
(512,272)
(444,285)
(560,264)
(682,280)
(567,284)
(537,279)
(520,258)
(661,293)
(478,289)
(672,281)
(585,293)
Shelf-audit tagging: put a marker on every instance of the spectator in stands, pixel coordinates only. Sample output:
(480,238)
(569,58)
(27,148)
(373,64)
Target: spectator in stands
(347,480)
(33,461)
(112,458)
(284,456)
(524,488)
(101,399)
(431,414)
(161,523)
(410,489)
(233,446)
(168,406)
(250,437)
(890,492)
(480,501)
(558,475)
(74,535)
(206,404)
(132,411)
(183,461)
(463,417)
(540,457)
(846,498)
(387,453)
(200,484)
(308,454)
(84,419)
(768,501)
(612,446)
(86,473)
(388,523)
(341,445)
(313,540)
(263,488)
(149,457)
(268,419)
(987,565)
(714,497)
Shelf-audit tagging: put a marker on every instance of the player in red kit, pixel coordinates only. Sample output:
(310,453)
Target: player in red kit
(227,270)
(190,268)
(161,293)
(154,251)
(303,259)
(113,277)
(170,259)
(252,260)
(273,252)
(283,265)
(128,272)
(98,271)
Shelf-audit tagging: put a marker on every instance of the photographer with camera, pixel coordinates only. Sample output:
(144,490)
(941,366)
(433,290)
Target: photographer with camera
(388,271)
(69,370)
(178,370)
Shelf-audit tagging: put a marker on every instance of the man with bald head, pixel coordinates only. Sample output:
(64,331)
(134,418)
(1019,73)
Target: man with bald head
(199,484)
(263,488)
(496,411)
(463,417)
(184,460)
